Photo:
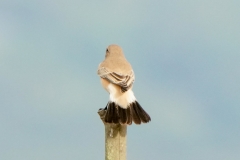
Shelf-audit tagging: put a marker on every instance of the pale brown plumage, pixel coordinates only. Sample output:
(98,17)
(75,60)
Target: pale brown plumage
(116,69)
(117,78)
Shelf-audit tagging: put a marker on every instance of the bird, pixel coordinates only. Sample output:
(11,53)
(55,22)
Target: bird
(117,77)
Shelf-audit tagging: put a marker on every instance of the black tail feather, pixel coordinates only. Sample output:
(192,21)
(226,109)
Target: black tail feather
(134,112)
(135,116)
(129,116)
(122,115)
(115,113)
(111,115)
(142,114)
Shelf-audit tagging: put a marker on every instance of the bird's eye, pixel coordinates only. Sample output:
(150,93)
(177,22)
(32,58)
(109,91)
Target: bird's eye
(107,50)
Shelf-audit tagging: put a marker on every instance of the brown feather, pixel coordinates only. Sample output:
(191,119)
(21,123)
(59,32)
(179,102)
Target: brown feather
(142,114)
(111,115)
(135,115)
(122,115)
(129,116)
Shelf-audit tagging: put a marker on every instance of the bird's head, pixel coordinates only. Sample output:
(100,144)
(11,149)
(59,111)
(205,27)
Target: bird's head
(114,51)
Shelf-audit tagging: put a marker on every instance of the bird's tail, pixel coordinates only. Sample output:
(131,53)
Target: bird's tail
(133,113)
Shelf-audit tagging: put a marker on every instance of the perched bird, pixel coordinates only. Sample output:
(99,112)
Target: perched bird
(117,78)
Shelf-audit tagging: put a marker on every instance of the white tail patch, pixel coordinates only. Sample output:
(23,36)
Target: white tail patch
(122,99)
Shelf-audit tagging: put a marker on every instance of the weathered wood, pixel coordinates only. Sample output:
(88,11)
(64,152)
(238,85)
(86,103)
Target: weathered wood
(115,139)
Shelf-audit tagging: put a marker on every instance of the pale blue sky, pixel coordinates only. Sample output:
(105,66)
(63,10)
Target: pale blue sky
(185,54)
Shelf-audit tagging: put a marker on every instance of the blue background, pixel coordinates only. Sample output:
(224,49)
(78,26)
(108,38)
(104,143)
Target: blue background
(186,58)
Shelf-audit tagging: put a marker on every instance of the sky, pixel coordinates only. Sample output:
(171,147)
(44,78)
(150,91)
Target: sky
(186,59)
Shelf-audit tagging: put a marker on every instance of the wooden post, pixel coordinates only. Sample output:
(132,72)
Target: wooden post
(115,139)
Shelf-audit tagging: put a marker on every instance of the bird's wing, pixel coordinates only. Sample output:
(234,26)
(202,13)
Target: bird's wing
(125,81)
